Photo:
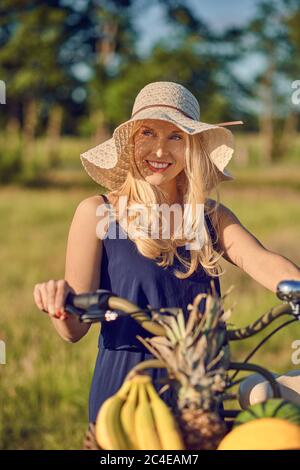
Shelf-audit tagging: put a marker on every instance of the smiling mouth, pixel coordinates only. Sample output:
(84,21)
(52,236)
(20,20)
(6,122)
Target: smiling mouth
(158,167)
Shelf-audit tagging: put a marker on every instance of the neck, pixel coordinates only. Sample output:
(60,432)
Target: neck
(171,192)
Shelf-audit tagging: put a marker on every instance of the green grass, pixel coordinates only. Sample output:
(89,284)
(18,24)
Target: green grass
(45,384)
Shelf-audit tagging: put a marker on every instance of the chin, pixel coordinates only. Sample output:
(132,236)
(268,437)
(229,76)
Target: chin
(156,180)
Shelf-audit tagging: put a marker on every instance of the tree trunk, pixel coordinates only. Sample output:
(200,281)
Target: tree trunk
(106,46)
(53,134)
(30,120)
(289,134)
(266,118)
(13,124)
(101,133)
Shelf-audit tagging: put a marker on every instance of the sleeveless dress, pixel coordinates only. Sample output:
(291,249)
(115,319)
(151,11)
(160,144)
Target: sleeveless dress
(131,275)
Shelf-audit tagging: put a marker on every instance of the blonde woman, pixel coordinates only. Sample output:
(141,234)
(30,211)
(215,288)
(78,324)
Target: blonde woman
(164,154)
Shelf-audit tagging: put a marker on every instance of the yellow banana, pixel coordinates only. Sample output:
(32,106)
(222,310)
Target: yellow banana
(141,379)
(109,431)
(127,415)
(146,432)
(166,425)
(124,389)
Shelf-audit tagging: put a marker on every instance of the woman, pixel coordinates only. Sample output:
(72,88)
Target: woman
(164,155)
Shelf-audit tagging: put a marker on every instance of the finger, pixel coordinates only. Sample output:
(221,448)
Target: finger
(61,293)
(64,316)
(44,296)
(37,297)
(51,289)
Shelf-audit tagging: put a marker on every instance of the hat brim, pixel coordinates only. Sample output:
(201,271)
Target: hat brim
(108,166)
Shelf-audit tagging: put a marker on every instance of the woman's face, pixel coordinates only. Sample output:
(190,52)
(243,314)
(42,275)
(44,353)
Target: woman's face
(159,149)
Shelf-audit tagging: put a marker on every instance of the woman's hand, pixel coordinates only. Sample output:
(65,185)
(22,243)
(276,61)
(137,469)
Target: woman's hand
(50,297)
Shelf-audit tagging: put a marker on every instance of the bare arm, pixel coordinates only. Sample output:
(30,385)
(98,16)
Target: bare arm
(244,250)
(82,270)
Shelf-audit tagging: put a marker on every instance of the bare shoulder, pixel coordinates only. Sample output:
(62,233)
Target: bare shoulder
(239,245)
(228,228)
(90,207)
(90,203)
(225,216)
(88,213)
(84,248)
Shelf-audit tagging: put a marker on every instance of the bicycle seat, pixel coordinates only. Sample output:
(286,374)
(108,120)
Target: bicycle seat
(255,389)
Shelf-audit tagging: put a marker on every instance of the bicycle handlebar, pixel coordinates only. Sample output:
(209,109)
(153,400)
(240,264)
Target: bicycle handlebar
(288,291)
(260,324)
(92,307)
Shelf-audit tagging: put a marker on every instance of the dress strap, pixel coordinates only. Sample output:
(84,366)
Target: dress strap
(105,198)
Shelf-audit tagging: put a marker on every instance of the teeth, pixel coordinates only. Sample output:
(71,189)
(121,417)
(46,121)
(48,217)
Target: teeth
(159,165)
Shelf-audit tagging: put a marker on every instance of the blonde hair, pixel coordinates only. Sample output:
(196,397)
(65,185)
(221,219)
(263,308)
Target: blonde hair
(193,185)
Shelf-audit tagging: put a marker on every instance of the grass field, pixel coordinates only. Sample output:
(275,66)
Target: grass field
(45,384)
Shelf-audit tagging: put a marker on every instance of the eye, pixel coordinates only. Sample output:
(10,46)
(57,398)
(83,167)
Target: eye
(177,135)
(146,130)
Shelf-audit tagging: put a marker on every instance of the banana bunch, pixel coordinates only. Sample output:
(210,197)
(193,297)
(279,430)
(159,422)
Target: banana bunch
(137,418)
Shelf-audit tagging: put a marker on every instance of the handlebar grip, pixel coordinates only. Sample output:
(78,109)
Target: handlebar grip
(85,300)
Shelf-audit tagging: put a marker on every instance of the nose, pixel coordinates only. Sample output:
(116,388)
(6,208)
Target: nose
(161,150)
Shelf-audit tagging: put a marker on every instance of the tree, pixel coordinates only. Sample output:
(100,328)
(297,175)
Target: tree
(272,34)
(194,56)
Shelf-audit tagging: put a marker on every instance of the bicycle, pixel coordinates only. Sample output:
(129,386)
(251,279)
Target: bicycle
(93,307)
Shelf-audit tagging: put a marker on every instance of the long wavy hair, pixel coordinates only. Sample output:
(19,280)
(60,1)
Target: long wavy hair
(193,185)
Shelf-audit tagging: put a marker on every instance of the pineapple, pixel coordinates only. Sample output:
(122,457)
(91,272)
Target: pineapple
(197,359)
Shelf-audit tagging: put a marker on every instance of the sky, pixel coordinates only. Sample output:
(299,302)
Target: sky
(219,14)
(222,14)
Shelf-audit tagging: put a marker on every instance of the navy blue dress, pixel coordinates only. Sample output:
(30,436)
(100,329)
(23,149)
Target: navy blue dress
(129,274)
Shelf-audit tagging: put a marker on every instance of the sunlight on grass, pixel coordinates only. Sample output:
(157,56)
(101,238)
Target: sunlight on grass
(46,381)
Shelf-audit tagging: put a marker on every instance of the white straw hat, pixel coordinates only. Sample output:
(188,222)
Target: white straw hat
(108,164)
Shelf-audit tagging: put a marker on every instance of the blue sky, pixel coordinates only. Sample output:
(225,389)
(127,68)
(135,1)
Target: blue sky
(220,14)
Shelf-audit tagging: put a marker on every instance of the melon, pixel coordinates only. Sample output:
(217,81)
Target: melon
(273,408)
(263,434)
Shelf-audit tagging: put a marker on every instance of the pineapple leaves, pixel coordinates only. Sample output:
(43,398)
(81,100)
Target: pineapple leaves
(194,350)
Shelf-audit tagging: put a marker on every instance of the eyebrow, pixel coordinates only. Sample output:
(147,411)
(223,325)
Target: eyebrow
(172,132)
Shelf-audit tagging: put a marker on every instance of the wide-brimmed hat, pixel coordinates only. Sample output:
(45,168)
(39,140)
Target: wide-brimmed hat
(108,163)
